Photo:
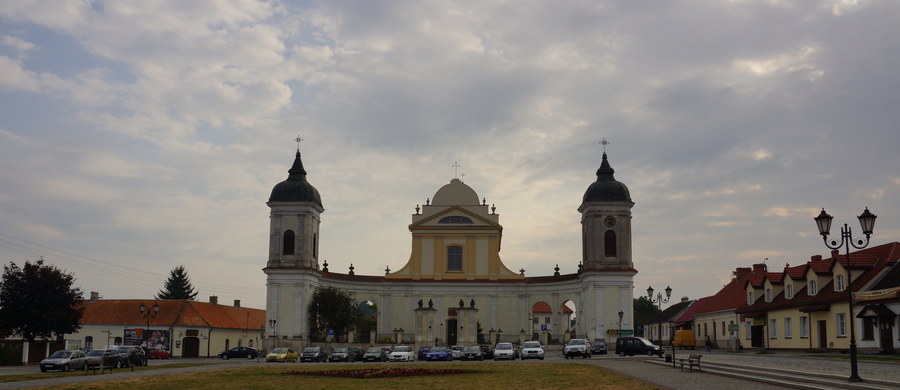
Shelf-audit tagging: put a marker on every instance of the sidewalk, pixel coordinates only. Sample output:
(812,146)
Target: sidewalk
(670,378)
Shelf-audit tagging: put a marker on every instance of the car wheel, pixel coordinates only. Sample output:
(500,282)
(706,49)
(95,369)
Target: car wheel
(542,358)
(224,357)
(649,353)
(66,368)
(43,369)
(249,356)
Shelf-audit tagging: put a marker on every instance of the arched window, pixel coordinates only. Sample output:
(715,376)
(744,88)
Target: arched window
(455,219)
(609,243)
(454,258)
(227,344)
(89,342)
(287,247)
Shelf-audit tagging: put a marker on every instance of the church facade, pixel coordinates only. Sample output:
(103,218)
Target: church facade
(455,281)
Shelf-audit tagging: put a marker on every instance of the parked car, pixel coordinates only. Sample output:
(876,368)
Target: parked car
(375,354)
(131,355)
(342,355)
(577,347)
(314,354)
(532,350)
(423,352)
(65,360)
(598,347)
(357,353)
(456,351)
(403,353)
(239,352)
(487,351)
(439,352)
(102,358)
(505,351)
(631,346)
(282,355)
(157,353)
(472,352)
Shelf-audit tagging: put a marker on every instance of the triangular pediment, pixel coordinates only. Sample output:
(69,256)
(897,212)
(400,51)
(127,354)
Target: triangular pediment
(434,220)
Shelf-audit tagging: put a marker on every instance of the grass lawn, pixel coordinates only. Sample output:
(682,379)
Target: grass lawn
(488,376)
(56,374)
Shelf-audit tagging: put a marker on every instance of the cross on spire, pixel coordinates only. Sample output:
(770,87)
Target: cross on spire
(456,169)
(298,140)
(604,142)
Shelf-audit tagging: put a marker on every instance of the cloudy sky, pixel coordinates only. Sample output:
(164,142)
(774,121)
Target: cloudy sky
(136,136)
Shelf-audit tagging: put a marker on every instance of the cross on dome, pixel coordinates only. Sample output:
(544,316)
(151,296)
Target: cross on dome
(604,142)
(456,167)
(298,140)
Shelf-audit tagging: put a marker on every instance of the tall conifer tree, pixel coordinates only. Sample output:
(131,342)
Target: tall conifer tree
(178,286)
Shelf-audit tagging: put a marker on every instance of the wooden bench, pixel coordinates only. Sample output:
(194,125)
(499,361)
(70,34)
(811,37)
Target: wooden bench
(691,362)
(102,369)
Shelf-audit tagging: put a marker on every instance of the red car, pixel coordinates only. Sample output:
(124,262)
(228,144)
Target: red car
(156,353)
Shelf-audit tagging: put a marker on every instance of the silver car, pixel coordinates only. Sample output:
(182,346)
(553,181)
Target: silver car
(65,360)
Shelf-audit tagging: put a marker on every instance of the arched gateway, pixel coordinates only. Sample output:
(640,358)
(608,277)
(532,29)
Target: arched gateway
(455,288)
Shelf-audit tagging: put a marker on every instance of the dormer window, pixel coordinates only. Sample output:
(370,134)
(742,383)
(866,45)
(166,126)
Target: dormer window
(455,219)
(839,283)
(768,295)
(750,297)
(789,291)
(811,289)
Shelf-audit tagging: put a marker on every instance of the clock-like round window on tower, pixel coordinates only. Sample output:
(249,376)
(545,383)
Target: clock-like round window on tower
(610,221)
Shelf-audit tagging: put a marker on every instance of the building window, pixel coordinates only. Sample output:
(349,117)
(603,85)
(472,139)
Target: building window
(749,297)
(315,246)
(89,342)
(839,283)
(812,288)
(455,219)
(723,328)
(535,320)
(731,328)
(609,243)
(773,330)
(788,332)
(747,330)
(841,320)
(789,291)
(768,295)
(454,258)
(287,245)
(868,328)
(227,344)
(705,329)
(804,327)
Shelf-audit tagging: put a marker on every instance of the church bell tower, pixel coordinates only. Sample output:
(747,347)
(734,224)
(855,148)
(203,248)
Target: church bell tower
(606,222)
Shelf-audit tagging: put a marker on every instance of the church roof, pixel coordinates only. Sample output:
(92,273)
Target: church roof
(456,193)
(606,188)
(296,188)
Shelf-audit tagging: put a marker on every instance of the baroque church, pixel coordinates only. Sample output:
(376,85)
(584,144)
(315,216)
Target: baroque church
(455,281)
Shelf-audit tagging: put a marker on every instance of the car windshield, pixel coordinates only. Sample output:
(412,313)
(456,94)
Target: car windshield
(96,352)
(311,349)
(402,349)
(472,349)
(424,349)
(504,346)
(439,349)
(340,350)
(61,354)
(456,348)
(374,350)
(645,341)
(123,350)
(599,343)
(279,350)
(532,344)
(576,342)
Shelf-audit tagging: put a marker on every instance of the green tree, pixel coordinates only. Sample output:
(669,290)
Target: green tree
(178,286)
(38,300)
(643,311)
(332,308)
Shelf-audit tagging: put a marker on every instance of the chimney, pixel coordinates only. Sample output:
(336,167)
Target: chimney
(816,258)
(684,299)
(214,299)
(759,268)
(237,303)
(741,272)
(94,296)
(834,253)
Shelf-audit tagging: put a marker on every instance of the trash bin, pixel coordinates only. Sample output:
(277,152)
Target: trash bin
(668,358)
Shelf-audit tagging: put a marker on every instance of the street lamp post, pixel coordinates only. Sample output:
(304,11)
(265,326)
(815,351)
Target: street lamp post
(659,301)
(867,223)
(148,314)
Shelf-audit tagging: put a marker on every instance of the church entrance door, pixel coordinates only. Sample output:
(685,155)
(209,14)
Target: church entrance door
(451,332)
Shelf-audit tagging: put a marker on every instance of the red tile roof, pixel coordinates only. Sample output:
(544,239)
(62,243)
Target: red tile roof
(775,277)
(796,273)
(172,312)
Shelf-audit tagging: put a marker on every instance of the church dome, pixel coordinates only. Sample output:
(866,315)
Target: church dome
(456,193)
(295,188)
(606,188)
